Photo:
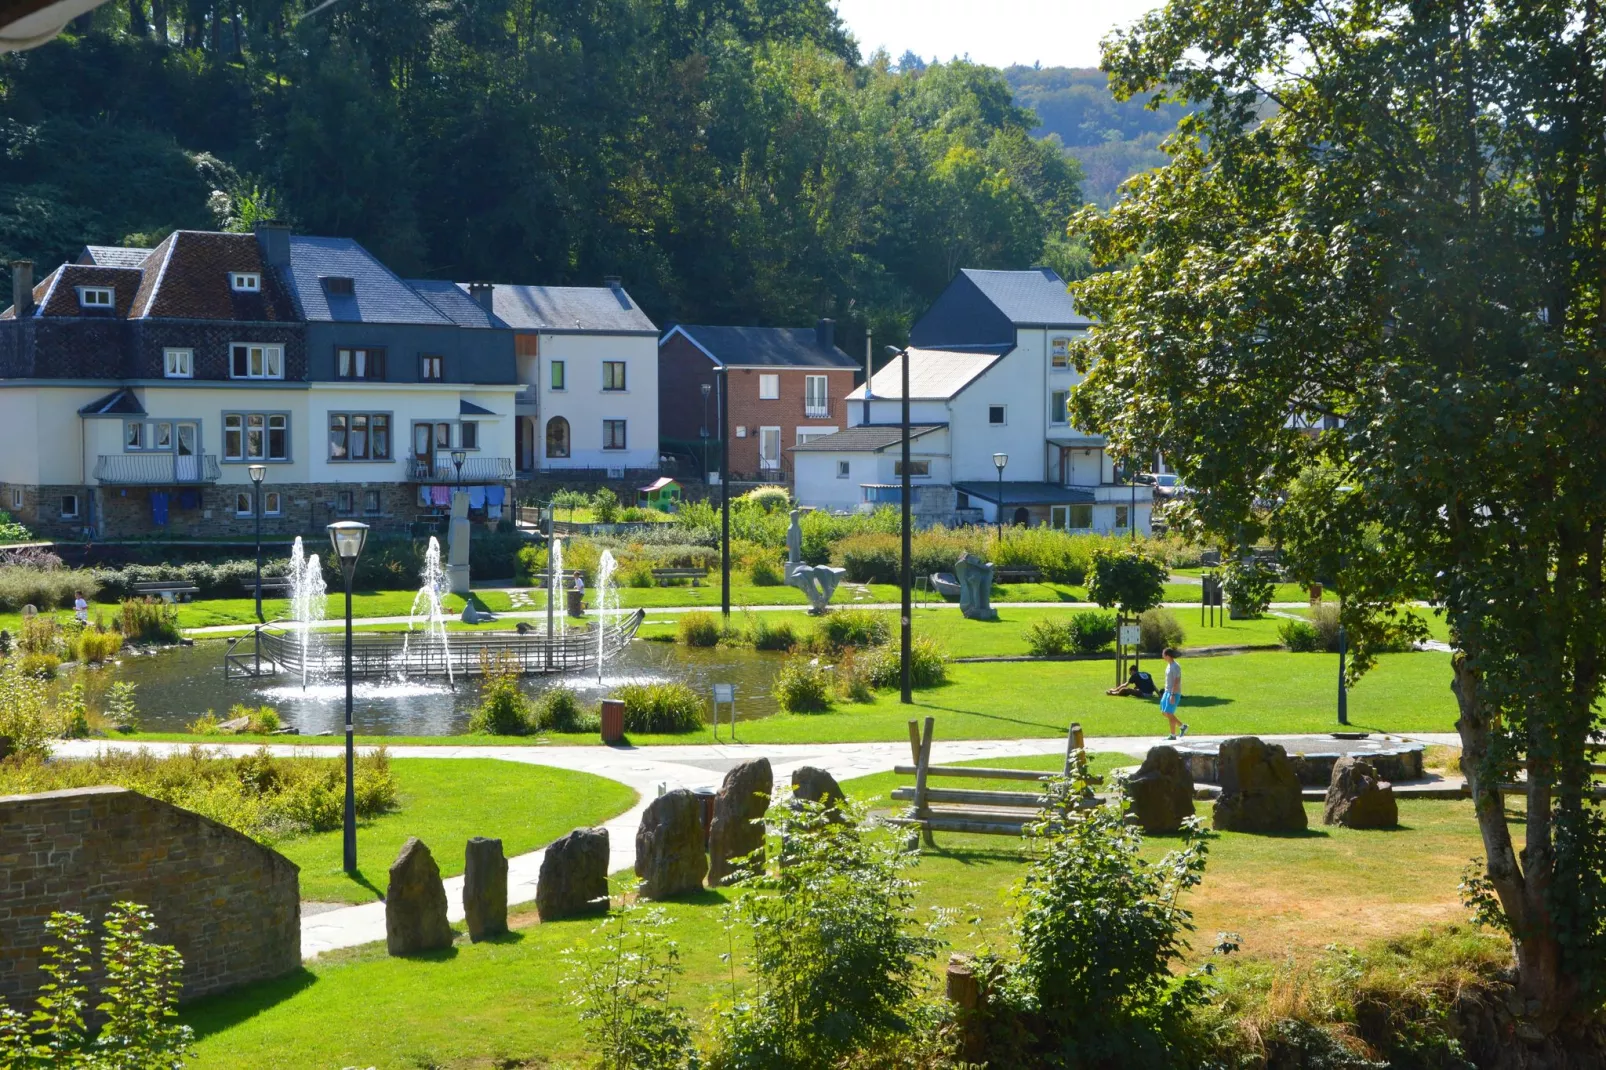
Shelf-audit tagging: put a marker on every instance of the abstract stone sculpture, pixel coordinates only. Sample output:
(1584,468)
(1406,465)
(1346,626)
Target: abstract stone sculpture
(737,830)
(1358,798)
(415,903)
(1161,791)
(817,582)
(669,846)
(574,876)
(485,888)
(975,578)
(1259,791)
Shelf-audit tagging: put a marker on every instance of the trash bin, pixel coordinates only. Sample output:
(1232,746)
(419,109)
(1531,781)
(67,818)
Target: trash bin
(613,720)
(705,796)
(577,603)
(1315,593)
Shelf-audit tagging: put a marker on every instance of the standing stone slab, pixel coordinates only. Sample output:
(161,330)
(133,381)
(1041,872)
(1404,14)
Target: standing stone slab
(415,903)
(669,846)
(485,888)
(816,785)
(742,800)
(574,876)
(1358,798)
(1259,790)
(1161,791)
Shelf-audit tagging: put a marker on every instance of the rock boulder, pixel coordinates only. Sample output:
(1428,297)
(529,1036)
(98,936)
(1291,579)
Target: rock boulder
(816,785)
(574,876)
(415,903)
(1161,791)
(1259,791)
(1358,798)
(485,888)
(743,798)
(669,846)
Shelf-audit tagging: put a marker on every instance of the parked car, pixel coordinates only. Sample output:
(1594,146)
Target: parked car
(1166,485)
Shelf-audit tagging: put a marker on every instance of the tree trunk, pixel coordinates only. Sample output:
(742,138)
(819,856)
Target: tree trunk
(136,18)
(159,19)
(1547,993)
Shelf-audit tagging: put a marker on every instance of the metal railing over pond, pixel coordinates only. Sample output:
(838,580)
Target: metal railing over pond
(277,647)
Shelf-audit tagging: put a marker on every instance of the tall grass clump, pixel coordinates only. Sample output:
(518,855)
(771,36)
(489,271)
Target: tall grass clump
(766,634)
(504,710)
(804,685)
(558,709)
(661,707)
(145,620)
(765,571)
(698,628)
(928,663)
(93,644)
(843,628)
(43,588)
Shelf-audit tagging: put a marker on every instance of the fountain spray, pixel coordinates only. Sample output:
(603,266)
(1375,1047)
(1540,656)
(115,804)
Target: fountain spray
(434,586)
(605,591)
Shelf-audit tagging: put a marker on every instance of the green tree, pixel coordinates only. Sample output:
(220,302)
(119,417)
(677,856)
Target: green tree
(1126,579)
(1413,243)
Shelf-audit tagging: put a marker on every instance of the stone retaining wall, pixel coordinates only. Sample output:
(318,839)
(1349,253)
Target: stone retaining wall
(231,906)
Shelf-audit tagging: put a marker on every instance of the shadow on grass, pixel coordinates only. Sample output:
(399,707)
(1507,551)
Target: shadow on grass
(216,1014)
(360,879)
(973,856)
(1204,701)
(1056,728)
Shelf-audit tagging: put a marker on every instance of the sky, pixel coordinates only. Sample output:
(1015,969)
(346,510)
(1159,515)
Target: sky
(1055,33)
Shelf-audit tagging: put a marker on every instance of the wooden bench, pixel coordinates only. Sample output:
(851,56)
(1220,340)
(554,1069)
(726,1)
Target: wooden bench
(170,591)
(987,811)
(277,586)
(664,576)
(1017,575)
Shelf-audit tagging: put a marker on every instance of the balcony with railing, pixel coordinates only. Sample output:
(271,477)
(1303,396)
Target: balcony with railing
(475,470)
(156,469)
(527,395)
(817,408)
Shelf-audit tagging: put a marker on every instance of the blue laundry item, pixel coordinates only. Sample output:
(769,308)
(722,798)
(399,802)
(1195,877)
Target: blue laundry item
(159,508)
(495,495)
(493,511)
(189,499)
(476,497)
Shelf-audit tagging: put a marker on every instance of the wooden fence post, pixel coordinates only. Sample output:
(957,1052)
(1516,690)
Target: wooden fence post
(964,992)
(1074,743)
(922,763)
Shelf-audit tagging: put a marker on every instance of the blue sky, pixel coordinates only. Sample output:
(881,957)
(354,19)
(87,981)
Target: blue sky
(1057,33)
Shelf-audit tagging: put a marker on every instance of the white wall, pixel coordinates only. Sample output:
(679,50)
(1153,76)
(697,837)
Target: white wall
(585,404)
(816,483)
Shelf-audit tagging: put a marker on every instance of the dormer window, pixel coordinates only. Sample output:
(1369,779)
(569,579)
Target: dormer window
(338,286)
(96,297)
(245,282)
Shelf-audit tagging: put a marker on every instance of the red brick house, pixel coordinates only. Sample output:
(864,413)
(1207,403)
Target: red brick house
(787,385)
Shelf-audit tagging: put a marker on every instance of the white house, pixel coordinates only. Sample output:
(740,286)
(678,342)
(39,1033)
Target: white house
(990,372)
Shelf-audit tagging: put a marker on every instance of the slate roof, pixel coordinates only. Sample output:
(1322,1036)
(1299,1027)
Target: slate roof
(378,294)
(449,299)
(765,347)
(1035,298)
(468,408)
(569,309)
(187,277)
(866,438)
(934,374)
(1025,492)
(113,256)
(60,297)
(117,403)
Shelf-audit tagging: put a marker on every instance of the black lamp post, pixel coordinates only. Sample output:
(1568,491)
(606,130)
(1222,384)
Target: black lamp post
(724,493)
(459,458)
(906,569)
(348,537)
(258,472)
(999,460)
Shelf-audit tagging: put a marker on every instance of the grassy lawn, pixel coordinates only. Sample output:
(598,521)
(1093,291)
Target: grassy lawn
(500,1002)
(444,802)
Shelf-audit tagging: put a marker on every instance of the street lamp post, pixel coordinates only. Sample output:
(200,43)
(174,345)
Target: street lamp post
(258,472)
(459,459)
(347,536)
(906,569)
(999,460)
(724,493)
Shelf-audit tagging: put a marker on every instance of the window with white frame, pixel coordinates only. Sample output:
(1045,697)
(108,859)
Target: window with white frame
(96,297)
(147,435)
(272,503)
(243,505)
(809,434)
(769,387)
(248,360)
(16,498)
(816,403)
(431,368)
(245,282)
(1071,517)
(345,502)
(133,436)
(613,434)
(370,502)
(359,436)
(359,363)
(843,468)
(917,469)
(256,436)
(1123,517)
(1056,406)
(69,507)
(1059,353)
(178,363)
(613,375)
(995,415)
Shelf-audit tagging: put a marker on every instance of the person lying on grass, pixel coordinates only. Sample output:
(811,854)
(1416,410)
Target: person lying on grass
(1138,684)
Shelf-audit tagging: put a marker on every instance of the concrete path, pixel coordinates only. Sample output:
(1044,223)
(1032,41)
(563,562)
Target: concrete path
(647,770)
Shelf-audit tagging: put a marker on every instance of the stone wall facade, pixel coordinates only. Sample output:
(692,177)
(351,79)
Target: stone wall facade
(230,906)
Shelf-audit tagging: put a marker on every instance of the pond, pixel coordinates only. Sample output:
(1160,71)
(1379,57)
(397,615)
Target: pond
(178,685)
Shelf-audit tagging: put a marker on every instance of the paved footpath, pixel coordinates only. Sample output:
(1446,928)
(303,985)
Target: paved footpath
(647,770)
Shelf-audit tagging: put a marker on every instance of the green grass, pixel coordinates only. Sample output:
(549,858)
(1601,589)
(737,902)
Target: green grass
(503,1001)
(444,802)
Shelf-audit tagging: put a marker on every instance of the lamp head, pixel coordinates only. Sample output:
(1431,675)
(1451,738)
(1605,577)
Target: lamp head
(459,457)
(999,460)
(258,473)
(708,388)
(347,537)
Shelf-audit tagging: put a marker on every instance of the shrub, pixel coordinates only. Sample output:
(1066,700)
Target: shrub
(765,572)
(698,629)
(661,707)
(121,709)
(72,709)
(42,666)
(1299,636)
(13,531)
(1092,630)
(1050,636)
(637,574)
(45,588)
(871,558)
(39,635)
(1158,629)
(605,506)
(855,679)
(1324,622)
(559,710)
(26,715)
(259,720)
(765,634)
(94,645)
(1061,557)
(769,499)
(804,685)
(623,990)
(1249,585)
(928,663)
(148,621)
(503,710)
(851,628)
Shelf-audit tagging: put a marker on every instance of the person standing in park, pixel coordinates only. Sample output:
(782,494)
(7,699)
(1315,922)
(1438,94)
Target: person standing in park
(80,607)
(1171,697)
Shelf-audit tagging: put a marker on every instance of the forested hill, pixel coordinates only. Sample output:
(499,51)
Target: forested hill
(734,160)
(1112,140)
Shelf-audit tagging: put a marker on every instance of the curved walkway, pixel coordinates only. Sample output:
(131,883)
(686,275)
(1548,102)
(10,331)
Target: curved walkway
(647,770)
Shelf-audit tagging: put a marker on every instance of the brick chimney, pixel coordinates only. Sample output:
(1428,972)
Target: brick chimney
(825,333)
(274,239)
(483,294)
(22,287)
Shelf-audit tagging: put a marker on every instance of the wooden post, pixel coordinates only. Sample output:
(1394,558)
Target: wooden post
(964,992)
(922,763)
(914,742)
(1073,745)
